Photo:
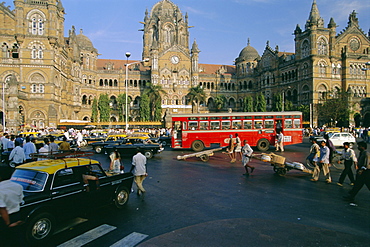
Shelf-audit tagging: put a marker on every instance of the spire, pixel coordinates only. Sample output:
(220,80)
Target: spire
(297,30)
(314,18)
(353,20)
(249,42)
(332,23)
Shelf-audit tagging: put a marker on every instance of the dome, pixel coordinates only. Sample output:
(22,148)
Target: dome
(165,8)
(248,53)
(84,42)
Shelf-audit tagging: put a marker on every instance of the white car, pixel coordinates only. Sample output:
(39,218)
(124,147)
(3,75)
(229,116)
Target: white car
(338,138)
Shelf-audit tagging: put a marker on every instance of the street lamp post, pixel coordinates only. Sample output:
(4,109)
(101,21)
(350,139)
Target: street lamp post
(4,106)
(128,54)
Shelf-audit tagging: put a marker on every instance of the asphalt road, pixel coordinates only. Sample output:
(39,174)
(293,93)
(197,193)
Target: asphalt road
(192,203)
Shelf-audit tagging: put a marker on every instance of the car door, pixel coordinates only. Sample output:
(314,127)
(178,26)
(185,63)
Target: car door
(336,139)
(67,190)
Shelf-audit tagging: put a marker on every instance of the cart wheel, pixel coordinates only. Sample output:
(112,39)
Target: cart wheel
(282,171)
(276,169)
(204,157)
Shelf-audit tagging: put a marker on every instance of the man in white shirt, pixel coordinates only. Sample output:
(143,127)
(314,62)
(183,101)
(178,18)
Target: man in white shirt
(29,148)
(139,170)
(11,197)
(17,156)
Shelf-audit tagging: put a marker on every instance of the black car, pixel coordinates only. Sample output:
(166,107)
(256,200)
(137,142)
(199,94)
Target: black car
(129,147)
(110,140)
(60,189)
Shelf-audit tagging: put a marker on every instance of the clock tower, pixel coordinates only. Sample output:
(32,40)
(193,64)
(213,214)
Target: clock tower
(166,45)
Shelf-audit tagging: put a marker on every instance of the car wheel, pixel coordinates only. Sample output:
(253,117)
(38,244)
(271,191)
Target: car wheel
(11,164)
(121,197)
(197,146)
(164,143)
(148,154)
(40,228)
(263,145)
(83,144)
(98,149)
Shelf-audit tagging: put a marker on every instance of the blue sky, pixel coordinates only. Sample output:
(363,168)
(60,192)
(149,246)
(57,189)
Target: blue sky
(221,27)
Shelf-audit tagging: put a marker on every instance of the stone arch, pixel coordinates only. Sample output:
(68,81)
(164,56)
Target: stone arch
(38,118)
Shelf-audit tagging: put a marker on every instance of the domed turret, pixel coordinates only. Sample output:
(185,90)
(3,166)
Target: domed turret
(165,8)
(84,42)
(248,53)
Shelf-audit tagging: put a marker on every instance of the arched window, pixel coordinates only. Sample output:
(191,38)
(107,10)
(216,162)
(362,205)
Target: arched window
(305,49)
(322,47)
(322,68)
(101,83)
(84,100)
(36,24)
(115,83)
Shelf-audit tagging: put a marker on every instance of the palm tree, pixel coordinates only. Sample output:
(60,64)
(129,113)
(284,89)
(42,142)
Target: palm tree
(220,102)
(195,96)
(154,92)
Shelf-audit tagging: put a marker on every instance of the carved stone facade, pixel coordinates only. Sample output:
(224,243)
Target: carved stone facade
(48,77)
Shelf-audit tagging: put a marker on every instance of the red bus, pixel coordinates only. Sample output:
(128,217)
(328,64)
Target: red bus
(197,131)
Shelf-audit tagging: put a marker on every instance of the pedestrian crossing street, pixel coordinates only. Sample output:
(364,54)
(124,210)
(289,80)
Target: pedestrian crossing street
(89,236)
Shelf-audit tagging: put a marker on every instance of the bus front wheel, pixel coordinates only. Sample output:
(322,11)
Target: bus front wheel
(197,146)
(263,145)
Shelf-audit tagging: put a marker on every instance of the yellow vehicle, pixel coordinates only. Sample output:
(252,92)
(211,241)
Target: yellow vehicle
(32,134)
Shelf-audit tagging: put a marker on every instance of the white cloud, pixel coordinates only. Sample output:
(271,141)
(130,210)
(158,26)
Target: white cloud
(341,9)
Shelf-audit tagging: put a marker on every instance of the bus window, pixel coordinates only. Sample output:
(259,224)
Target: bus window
(237,124)
(297,123)
(215,125)
(203,125)
(288,123)
(225,125)
(248,124)
(269,124)
(193,125)
(258,124)
(184,126)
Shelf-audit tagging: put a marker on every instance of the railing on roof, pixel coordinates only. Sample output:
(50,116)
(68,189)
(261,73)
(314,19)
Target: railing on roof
(62,154)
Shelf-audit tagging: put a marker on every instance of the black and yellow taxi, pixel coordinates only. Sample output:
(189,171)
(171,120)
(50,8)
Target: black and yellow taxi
(64,187)
(111,139)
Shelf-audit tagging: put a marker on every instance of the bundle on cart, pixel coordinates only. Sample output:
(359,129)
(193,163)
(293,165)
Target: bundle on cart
(281,166)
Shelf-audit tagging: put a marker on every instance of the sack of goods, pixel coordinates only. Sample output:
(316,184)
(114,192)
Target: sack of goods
(266,158)
(299,166)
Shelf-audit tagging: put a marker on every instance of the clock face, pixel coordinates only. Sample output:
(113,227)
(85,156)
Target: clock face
(175,59)
(354,44)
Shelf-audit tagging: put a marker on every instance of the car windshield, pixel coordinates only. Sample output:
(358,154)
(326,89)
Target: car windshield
(32,181)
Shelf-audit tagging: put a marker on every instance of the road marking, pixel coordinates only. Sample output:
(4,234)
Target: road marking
(130,240)
(88,236)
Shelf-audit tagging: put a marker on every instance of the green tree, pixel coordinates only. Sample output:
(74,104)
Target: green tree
(260,105)
(145,108)
(278,102)
(158,111)
(305,109)
(220,102)
(334,111)
(154,92)
(104,108)
(121,103)
(248,104)
(94,110)
(288,106)
(195,96)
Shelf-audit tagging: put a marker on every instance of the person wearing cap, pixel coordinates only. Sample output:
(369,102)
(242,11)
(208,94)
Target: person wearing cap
(247,155)
(349,158)
(363,172)
(322,163)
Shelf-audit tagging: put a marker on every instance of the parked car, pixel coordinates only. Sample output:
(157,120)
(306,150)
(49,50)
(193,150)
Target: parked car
(165,140)
(129,147)
(59,189)
(111,139)
(338,138)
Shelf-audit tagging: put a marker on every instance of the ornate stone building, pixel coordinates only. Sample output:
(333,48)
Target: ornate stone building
(47,77)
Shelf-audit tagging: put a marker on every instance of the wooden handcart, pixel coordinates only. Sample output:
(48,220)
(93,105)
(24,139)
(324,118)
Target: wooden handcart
(204,155)
(279,163)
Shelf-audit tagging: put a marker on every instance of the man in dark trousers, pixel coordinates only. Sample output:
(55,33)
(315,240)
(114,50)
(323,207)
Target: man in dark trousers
(363,172)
